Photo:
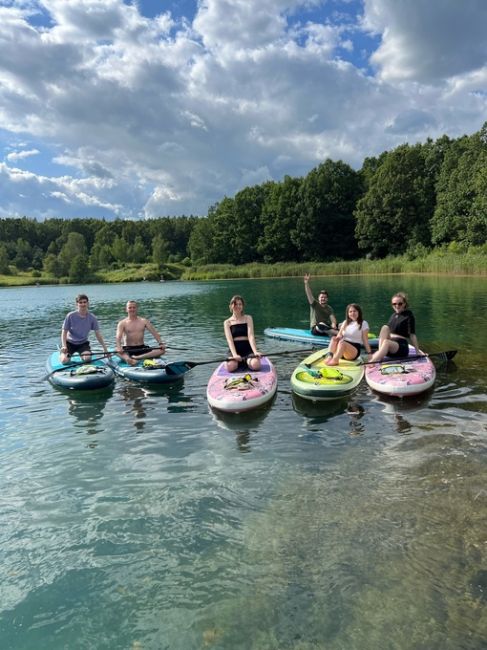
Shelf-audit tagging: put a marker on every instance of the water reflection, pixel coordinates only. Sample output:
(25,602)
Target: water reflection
(134,396)
(320,413)
(143,401)
(242,424)
(87,409)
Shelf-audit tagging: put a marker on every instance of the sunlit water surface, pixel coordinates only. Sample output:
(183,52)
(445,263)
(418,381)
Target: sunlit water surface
(140,519)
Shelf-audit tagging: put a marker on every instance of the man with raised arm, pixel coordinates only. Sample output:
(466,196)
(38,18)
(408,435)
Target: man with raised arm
(129,339)
(322,318)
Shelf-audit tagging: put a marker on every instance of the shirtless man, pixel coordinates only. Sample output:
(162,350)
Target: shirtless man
(129,339)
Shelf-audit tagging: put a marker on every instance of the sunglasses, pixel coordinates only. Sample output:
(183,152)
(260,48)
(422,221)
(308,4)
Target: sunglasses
(397,304)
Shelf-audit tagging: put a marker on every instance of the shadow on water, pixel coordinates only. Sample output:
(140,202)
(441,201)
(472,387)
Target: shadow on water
(87,409)
(242,424)
(146,401)
(321,412)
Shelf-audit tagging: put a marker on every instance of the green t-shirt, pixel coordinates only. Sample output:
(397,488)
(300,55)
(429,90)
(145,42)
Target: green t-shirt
(319,314)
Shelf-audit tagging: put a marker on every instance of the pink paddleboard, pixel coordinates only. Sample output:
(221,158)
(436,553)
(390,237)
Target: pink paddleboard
(242,390)
(401,377)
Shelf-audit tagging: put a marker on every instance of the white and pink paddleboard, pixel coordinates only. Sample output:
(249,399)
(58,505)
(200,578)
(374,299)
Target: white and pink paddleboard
(401,377)
(243,390)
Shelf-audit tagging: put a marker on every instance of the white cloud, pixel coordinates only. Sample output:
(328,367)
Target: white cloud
(157,116)
(427,40)
(21,155)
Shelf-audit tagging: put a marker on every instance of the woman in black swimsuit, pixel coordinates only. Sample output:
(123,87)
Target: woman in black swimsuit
(239,332)
(395,337)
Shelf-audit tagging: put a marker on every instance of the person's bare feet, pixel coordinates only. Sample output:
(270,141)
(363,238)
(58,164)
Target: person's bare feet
(332,362)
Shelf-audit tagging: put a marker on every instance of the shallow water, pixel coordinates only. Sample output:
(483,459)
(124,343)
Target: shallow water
(135,518)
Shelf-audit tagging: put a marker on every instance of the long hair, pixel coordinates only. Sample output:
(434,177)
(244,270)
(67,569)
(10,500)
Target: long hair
(360,318)
(234,299)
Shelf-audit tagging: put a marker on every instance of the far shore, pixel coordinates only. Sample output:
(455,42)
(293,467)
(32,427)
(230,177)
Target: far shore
(440,263)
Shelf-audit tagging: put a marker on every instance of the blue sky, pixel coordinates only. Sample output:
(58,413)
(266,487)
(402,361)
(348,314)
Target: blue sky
(112,108)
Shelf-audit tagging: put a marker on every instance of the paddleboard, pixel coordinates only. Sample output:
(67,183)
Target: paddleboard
(401,378)
(315,381)
(305,336)
(243,390)
(80,377)
(297,335)
(149,371)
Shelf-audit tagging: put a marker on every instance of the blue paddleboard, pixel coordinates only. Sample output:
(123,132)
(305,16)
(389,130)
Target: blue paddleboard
(305,336)
(77,375)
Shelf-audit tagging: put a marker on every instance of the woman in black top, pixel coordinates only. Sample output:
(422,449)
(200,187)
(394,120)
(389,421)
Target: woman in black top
(400,331)
(239,332)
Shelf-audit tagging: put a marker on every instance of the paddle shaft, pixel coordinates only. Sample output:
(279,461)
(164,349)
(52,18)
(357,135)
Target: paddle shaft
(168,347)
(192,364)
(446,356)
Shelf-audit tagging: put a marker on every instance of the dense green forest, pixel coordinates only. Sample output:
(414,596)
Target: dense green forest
(411,200)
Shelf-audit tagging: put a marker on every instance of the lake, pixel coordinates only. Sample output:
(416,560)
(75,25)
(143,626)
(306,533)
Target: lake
(140,519)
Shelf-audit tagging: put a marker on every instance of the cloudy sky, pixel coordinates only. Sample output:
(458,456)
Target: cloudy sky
(162,107)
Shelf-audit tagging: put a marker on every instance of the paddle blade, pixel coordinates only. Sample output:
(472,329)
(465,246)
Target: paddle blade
(178,367)
(444,356)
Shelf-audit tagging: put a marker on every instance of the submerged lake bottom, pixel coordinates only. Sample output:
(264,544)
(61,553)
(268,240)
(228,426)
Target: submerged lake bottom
(137,517)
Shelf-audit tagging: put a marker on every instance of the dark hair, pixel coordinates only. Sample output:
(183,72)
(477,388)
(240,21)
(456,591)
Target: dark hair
(360,318)
(234,299)
(324,292)
(82,296)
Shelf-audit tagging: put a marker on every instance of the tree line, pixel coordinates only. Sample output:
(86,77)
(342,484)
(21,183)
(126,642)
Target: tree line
(78,248)
(407,200)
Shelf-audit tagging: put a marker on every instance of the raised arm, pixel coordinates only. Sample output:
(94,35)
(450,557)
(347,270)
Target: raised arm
(307,288)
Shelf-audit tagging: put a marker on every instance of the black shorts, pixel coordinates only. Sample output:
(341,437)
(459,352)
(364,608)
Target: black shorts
(77,347)
(136,350)
(357,346)
(243,349)
(321,330)
(403,349)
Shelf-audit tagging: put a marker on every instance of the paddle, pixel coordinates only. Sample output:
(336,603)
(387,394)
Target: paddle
(180,367)
(168,347)
(76,364)
(442,356)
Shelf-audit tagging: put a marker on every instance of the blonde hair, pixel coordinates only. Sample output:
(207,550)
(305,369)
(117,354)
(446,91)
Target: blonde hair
(403,296)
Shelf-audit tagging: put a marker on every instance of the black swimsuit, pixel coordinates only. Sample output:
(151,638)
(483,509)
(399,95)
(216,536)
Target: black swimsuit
(403,325)
(242,347)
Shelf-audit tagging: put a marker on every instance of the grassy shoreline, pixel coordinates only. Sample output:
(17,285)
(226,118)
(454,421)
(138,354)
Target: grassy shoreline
(459,263)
